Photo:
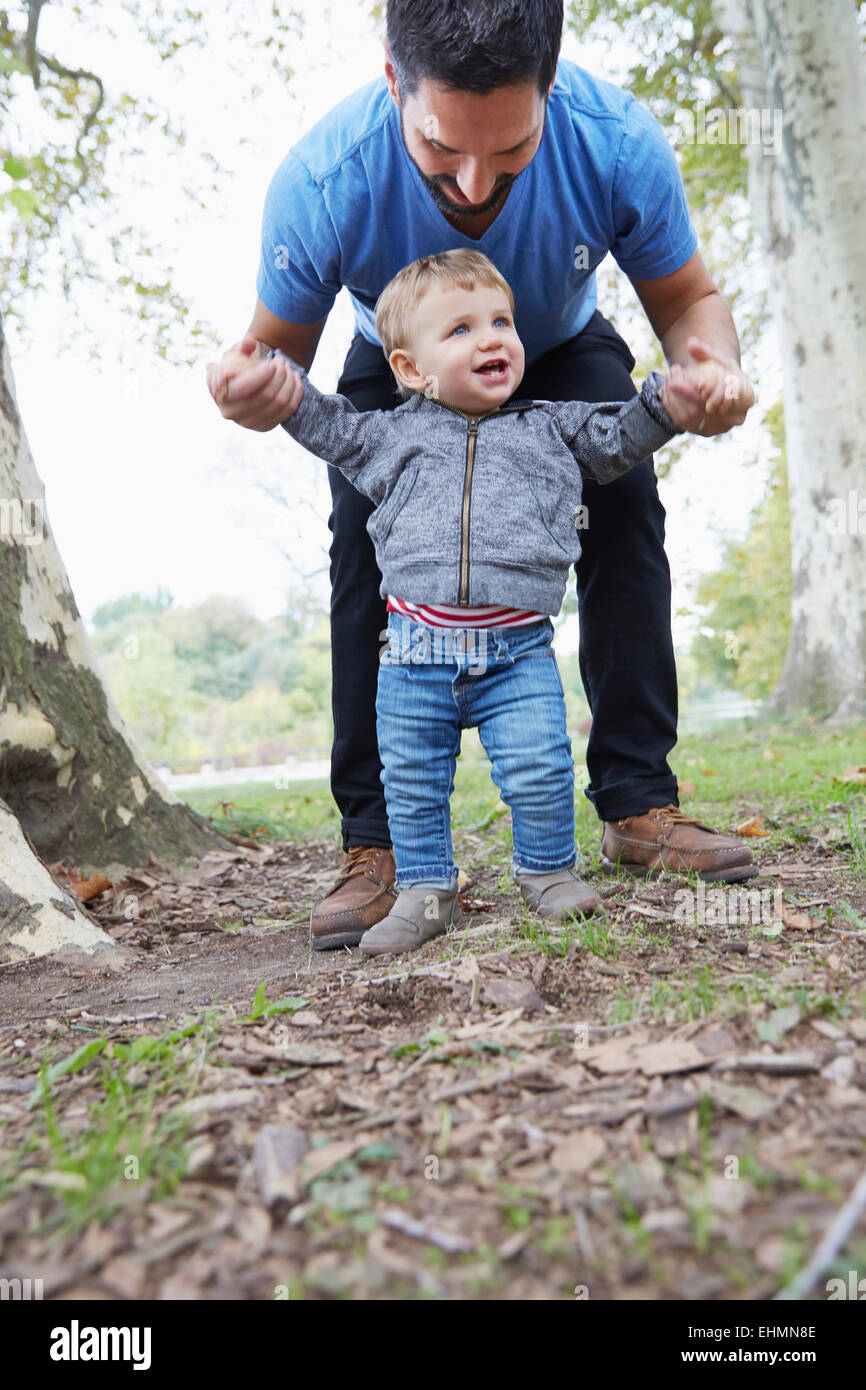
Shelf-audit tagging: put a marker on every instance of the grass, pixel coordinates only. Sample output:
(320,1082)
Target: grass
(263,811)
(128,1146)
(786,774)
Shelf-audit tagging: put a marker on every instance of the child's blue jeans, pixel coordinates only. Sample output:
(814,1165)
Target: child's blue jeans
(433,682)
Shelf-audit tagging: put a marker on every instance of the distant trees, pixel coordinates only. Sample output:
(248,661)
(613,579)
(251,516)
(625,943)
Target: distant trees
(212,679)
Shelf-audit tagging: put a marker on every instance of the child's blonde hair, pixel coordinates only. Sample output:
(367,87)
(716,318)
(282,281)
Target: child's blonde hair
(401,296)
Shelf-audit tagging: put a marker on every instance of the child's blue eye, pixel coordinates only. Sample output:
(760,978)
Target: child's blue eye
(460,327)
(501,320)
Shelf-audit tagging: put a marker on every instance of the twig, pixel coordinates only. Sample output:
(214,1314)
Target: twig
(485,1083)
(831,1243)
(774,1063)
(120,1018)
(443,1240)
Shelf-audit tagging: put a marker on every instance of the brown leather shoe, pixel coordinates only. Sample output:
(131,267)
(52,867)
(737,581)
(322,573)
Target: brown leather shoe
(664,838)
(363,893)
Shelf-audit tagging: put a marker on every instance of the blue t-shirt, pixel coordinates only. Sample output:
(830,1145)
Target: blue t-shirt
(347,207)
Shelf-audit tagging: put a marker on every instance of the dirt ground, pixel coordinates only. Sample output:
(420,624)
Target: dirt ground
(647,1108)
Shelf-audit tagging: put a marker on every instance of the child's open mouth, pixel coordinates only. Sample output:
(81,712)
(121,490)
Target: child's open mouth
(496,370)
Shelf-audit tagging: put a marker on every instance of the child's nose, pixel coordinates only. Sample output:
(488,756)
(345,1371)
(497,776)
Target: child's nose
(490,339)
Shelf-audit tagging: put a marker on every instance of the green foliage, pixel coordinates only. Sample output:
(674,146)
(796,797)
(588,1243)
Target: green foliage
(131,605)
(212,679)
(748,599)
(262,1009)
(71,133)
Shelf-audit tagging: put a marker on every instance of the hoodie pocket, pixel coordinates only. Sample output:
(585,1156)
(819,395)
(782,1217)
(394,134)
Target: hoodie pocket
(558,501)
(382,521)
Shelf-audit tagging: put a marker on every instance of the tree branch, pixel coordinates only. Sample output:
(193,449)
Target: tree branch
(36,60)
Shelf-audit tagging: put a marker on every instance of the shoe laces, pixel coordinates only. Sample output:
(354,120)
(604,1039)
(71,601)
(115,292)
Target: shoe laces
(672,813)
(357,860)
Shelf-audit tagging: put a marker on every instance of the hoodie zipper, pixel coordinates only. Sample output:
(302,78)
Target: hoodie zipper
(471,439)
(472,423)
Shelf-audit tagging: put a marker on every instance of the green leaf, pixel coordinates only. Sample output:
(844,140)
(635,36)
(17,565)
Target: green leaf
(380,1150)
(15,169)
(67,1067)
(289,1005)
(25,201)
(261,1009)
(259,1002)
(780,1021)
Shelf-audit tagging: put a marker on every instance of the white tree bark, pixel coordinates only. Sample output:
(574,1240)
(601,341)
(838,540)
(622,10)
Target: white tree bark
(805,62)
(69,768)
(38,916)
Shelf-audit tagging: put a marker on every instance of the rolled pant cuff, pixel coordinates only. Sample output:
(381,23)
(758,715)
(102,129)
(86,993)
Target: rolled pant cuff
(358,830)
(632,798)
(535,866)
(427,873)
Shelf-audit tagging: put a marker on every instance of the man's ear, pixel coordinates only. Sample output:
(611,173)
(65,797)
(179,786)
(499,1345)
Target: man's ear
(406,369)
(390,74)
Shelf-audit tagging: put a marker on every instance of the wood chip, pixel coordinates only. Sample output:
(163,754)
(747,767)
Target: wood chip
(577,1153)
(277,1154)
(773,1063)
(443,1240)
(746,1101)
(512,994)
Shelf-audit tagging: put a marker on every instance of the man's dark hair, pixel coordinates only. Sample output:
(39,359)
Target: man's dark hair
(474,45)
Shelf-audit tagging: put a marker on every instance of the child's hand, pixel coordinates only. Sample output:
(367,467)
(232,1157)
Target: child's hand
(239,359)
(686,390)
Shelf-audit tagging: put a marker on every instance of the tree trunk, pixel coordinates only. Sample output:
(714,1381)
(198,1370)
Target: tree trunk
(809,203)
(69,769)
(38,916)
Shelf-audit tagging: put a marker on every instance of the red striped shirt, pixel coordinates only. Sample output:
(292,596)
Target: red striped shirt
(440,615)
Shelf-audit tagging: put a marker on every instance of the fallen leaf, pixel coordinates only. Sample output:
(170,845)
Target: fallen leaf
(842,1070)
(685,789)
(746,1101)
(322,1160)
(466,970)
(612,1056)
(216,1101)
(853,774)
(87,888)
(781,1021)
(513,994)
(577,1153)
(752,827)
(660,1059)
(277,1153)
(798,921)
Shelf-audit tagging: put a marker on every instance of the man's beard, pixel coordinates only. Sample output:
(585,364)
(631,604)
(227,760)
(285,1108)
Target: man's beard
(436,188)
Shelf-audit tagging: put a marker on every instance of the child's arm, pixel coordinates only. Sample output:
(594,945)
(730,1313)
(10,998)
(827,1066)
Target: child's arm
(609,439)
(332,429)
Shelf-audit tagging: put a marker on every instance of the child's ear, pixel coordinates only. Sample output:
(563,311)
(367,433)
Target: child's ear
(406,370)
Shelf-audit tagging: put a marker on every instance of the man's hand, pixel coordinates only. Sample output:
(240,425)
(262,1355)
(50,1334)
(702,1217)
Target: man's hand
(256,392)
(710,394)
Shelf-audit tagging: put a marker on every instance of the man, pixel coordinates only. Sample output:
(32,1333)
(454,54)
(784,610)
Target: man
(476,137)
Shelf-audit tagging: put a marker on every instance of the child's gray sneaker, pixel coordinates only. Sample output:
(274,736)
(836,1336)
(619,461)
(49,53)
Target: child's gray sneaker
(557,894)
(419,914)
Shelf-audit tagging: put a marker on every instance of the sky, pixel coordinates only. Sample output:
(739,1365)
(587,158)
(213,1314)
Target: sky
(145,484)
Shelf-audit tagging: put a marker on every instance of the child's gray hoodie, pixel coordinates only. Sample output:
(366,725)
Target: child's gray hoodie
(479,510)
